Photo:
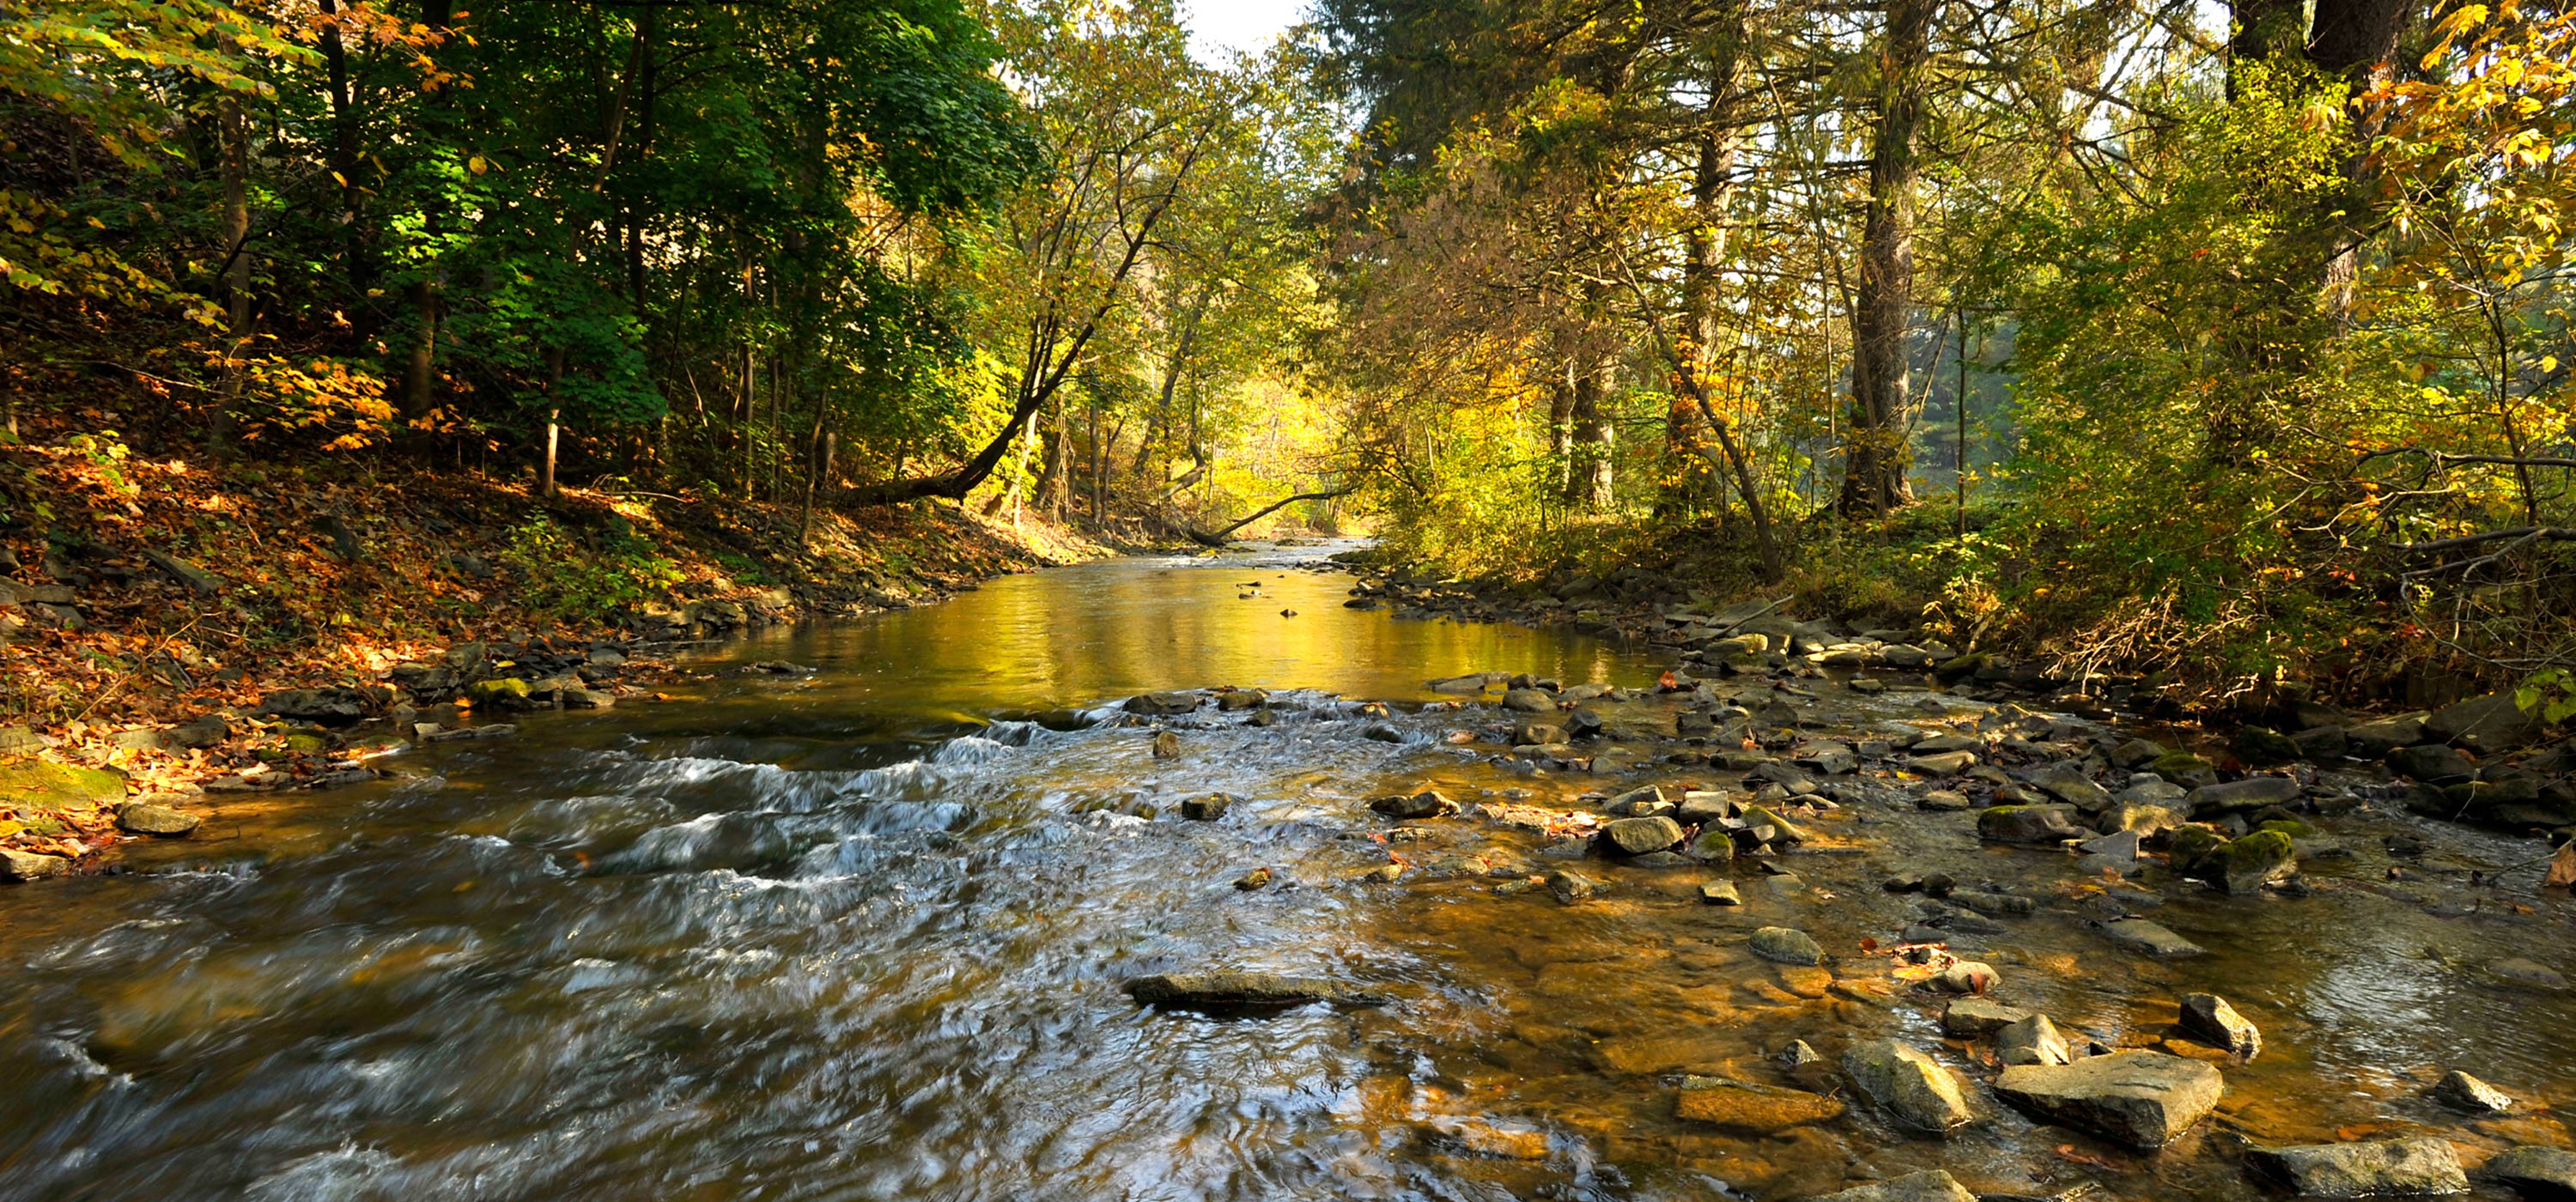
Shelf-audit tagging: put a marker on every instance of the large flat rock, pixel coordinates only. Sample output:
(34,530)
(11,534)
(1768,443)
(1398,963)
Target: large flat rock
(1933,1186)
(2142,1099)
(2417,1167)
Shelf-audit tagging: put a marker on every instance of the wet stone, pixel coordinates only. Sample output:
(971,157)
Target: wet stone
(2142,1099)
(1787,945)
(2027,824)
(1720,893)
(1640,836)
(2409,1167)
(2460,1091)
(1429,803)
(2208,1018)
(1932,1186)
(2538,1174)
(1912,1087)
(2238,796)
(1228,990)
(2518,971)
(2033,1040)
(145,819)
(1207,807)
(16,865)
(1713,845)
(1752,1109)
(1976,1017)
(1944,763)
(1570,887)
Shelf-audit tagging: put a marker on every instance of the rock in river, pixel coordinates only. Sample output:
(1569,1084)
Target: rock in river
(2142,1099)
(1913,1087)
(1429,803)
(1787,945)
(1238,990)
(2460,1091)
(1971,1017)
(1933,1186)
(1757,1109)
(2414,1167)
(2027,824)
(2251,793)
(2211,1020)
(145,819)
(1638,836)
(2539,1174)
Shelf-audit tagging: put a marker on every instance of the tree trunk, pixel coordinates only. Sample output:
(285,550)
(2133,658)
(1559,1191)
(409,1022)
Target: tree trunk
(1704,264)
(236,274)
(1876,458)
(344,164)
(1589,484)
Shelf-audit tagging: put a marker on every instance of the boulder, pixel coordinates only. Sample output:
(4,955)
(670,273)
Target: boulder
(2404,1167)
(1787,945)
(199,733)
(2028,824)
(2142,1099)
(1162,704)
(1167,745)
(16,865)
(1712,845)
(1639,836)
(2432,763)
(1830,759)
(1237,990)
(1912,1087)
(1529,701)
(1767,825)
(2324,744)
(1932,1186)
(330,707)
(2538,1174)
(142,818)
(2237,796)
(2184,768)
(2208,1018)
(1207,807)
(2462,1092)
(2490,723)
(1429,803)
(2246,865)
(2137,753)
(1976,1017)
(2033,1040)
(1752,1109)
(2371,740)
(1942,763)
(2263,746)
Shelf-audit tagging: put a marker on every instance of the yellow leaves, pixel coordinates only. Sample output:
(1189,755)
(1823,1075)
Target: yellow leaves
(477,164)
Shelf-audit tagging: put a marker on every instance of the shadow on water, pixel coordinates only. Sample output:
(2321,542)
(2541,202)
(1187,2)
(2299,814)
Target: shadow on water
(860,934)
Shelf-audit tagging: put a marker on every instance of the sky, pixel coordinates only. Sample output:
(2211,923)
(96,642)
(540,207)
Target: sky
(1217,26)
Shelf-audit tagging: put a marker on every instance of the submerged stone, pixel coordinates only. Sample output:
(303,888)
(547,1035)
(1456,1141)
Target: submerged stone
(1756,1109)
(1933,1186)
(2539,1174)
(1787,945)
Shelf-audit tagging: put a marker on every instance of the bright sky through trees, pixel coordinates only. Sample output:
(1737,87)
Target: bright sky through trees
(1244,26)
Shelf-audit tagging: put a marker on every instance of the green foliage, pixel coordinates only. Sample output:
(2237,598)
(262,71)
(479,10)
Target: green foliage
(2549,695)
(575,582)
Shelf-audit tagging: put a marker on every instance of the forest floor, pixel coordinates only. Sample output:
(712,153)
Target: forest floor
(179,622)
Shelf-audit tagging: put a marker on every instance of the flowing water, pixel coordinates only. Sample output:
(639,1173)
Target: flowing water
(860,934)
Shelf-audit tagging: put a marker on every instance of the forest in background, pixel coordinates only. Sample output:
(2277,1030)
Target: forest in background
(2226,342)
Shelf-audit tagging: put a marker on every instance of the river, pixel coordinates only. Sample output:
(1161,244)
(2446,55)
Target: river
(860,934)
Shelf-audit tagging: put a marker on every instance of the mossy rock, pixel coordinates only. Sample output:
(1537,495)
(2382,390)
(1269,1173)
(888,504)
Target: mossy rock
(308,744)
(2289,826)
(2185,769)
(2264,746)
(2187,846)
(2246,865)
(500,690)
(1961,667)
(44,785)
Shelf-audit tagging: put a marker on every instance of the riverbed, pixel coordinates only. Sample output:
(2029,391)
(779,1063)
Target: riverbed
(856,926)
